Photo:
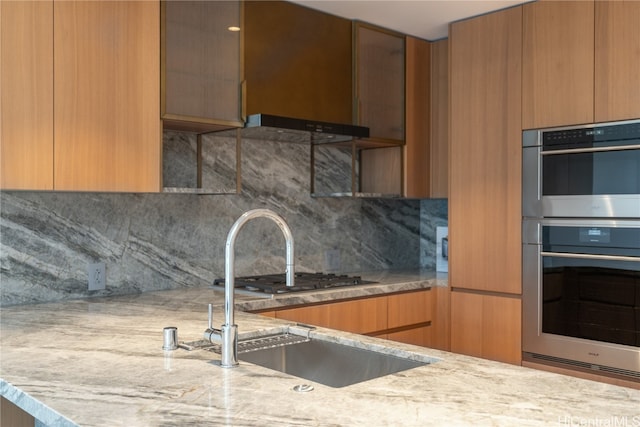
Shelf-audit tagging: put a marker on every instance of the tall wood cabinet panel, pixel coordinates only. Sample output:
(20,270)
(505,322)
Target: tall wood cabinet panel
(485,181)
(487,326)
(26,95)
(617,60)
(558,58)
(485,153)
(439,129)
(107,96)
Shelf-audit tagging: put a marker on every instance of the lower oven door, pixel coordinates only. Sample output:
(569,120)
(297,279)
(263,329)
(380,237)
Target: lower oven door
(581,292)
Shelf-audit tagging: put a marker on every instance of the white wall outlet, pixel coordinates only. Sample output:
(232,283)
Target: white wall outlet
(332,260)
(97,276)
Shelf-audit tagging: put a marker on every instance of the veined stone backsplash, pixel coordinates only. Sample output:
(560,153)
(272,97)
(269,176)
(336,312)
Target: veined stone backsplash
(166,241)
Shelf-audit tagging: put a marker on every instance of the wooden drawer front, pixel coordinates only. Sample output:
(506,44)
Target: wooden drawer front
(317,315)
(416,336)
(409,309)
(359,316)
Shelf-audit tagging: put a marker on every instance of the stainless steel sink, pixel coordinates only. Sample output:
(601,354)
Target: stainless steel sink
(329,363)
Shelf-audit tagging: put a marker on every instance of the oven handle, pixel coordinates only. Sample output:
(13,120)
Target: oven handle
(591,256)
(590,150)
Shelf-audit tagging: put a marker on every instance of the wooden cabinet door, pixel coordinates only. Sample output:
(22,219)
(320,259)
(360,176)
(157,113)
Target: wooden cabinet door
(107,96)
(617,60)
(409,308)
(361,316)
(297,62)
(26,95)
(485,153)
(557,75)
(486,326)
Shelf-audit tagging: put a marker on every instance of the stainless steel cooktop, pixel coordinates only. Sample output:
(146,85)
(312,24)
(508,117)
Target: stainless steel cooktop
(276,283)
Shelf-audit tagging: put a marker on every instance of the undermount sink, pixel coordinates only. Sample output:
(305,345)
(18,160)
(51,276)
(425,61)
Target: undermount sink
(330,363)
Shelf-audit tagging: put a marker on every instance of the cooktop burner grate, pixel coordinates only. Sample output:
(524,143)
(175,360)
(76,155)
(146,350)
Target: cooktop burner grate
(276,283)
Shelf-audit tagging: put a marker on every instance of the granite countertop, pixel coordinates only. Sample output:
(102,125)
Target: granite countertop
(99,362)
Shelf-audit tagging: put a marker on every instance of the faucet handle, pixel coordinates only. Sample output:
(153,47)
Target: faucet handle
(210,323)
(212,334)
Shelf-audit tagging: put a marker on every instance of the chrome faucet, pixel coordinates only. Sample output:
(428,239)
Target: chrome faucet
(227,335)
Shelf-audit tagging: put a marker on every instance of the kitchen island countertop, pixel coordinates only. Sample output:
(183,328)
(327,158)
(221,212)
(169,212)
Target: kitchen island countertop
(99,362)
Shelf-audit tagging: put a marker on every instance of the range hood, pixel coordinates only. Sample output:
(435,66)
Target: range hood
(289,129)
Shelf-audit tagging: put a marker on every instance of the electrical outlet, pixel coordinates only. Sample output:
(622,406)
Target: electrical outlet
(332,259)
(97,276)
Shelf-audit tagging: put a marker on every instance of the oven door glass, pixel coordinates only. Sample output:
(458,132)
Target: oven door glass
(591,283)
(591,173)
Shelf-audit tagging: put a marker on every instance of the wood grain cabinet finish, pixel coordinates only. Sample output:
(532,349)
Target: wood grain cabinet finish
(106,80)
(404,317)
(87,115)
(558,58)
(297,62)
(581,62)
(617,60)
(439,121)
(485,181)
(13,416)
(487,326)
(485,153)
(26,95)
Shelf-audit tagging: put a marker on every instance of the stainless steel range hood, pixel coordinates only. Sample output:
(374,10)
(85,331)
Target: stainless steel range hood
(288,129)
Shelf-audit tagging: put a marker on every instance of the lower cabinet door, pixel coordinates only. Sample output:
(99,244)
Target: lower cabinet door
(487,326)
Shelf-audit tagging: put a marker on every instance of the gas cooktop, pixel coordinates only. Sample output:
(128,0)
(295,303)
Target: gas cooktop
(276,283)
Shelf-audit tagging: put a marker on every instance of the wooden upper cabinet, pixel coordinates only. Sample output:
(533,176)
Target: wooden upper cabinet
(201,65)
(107,95)
(379,57)
(80,96)
(617,60)
(558,58)
(485,153)
(297,62)
(26,95)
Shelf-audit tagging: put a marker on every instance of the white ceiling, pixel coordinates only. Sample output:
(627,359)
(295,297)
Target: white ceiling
(426,19)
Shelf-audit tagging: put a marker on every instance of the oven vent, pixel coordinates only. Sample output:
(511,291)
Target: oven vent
(589,367)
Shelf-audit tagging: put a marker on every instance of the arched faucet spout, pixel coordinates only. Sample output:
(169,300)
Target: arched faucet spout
(229,332)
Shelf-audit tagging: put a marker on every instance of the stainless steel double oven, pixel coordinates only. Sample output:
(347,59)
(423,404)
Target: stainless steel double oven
(581,247)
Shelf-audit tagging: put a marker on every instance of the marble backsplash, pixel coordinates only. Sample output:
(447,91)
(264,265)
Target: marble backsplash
(167,241)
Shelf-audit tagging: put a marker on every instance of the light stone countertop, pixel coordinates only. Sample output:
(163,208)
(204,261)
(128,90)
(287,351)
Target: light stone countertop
(99,362)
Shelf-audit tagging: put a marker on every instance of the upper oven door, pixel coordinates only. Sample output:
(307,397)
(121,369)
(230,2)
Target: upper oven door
(587,171)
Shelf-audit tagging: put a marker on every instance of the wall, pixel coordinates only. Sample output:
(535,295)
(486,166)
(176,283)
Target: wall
(164,241)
